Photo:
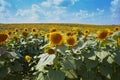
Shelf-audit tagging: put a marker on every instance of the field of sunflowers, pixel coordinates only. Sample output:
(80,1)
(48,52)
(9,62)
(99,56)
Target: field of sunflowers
(59,52)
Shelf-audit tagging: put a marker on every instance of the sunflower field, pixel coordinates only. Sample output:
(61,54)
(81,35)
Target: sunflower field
(56,54)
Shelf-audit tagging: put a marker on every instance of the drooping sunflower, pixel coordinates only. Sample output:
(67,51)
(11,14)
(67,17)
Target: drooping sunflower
(56,38)
(102,35)
(15,38)
(28,58)
(71,41)
(3,37)
(25,34)
(49,50)
(36,35)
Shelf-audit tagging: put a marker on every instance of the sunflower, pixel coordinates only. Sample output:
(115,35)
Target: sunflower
(28,58)
(25,34)
(47,36)
(25,29)
(16,30)
(86,32)
(102,35)
(116,28)
(9,33)
(53,30)
(36,35)
(71,41)
(34,29)
(69,34)
(49,50)
(3,38)
(15,38)
(56,38)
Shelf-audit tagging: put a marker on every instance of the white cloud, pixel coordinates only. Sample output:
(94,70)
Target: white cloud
(115,8)
(82,14)
(4,12)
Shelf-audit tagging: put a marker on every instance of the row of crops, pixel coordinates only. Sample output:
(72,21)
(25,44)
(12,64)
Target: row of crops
(32,54)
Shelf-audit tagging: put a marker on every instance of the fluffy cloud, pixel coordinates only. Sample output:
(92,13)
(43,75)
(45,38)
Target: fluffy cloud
(4,12)
(115,8)
(82,14)
(63,3)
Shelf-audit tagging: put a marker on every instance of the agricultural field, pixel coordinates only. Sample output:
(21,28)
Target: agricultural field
(59,52)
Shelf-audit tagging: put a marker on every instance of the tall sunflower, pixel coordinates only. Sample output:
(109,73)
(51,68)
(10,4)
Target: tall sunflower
(102,35)
(3,38)
(56,38)
(71,41)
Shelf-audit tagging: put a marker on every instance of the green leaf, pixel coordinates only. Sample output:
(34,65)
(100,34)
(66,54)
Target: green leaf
(117,58)
(56,75)
(102,54)
(91,64)
(3,72)
(106,70)
(69,63)
(40,77)
(71,74)
(16,67)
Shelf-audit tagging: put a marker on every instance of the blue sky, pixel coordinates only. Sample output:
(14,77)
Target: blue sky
(60,11)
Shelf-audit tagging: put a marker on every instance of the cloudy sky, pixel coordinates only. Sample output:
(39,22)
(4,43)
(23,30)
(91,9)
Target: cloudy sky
(60,11)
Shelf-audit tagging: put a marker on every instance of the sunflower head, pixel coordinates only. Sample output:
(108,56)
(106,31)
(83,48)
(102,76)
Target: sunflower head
(9,32)
(47,36)
(102,35)
(25,34)
(15,38)
(69,34)
(56,38)
(3,37)
(53,30)
(28,58)
(16,30)
(116,28)
(36,35)
(71,41)
(25,29)
(34,29)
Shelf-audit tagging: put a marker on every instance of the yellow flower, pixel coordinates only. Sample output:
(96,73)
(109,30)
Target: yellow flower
(3,37)
(53,29)
(36,35)
(47,35)
(28,58)
(69,34)
(25,34)
(25,29)
(15,38)
(71,41)
(116,28)
(49,51)
(86,32)
(102,35)
(34,29)
(56,38)
(16,30)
